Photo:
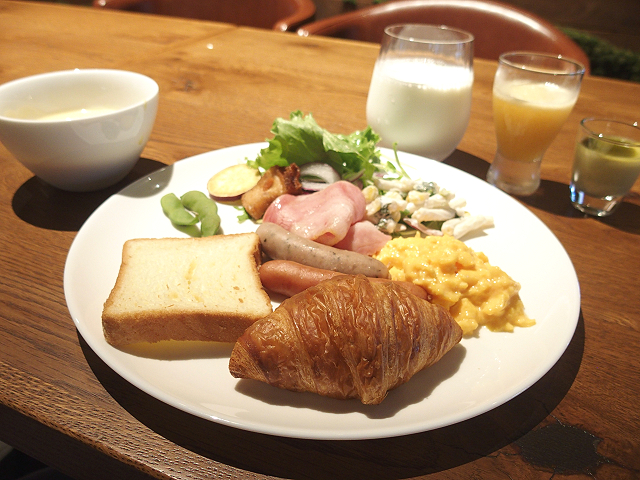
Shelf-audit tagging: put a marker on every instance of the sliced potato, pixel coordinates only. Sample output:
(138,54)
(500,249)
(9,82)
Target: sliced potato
(230,183)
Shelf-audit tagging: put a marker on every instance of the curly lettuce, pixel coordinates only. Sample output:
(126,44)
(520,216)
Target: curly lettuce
(301,140)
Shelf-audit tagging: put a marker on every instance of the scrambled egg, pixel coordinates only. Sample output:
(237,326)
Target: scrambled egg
(475,292)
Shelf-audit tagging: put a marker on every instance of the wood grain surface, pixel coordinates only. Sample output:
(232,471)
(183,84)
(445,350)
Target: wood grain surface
(222,86)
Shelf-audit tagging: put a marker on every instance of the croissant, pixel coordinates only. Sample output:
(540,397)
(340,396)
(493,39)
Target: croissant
(345,338)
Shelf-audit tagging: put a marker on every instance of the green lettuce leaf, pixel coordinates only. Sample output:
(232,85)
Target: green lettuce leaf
(301,140)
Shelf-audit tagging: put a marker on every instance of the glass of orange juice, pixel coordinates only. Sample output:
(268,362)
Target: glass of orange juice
(533,94)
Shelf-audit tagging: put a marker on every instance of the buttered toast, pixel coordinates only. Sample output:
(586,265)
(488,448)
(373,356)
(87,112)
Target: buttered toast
(205,289)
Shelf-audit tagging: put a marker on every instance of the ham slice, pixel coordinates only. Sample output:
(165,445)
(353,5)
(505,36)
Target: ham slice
(325,216)
(363,237)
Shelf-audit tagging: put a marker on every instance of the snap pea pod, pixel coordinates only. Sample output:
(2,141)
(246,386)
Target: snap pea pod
(175,211)
(205,208)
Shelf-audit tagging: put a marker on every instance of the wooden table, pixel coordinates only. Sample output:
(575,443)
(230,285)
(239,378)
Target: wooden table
(222,86)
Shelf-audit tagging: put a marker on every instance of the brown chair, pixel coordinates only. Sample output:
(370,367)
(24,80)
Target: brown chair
(497,27)
(281,15)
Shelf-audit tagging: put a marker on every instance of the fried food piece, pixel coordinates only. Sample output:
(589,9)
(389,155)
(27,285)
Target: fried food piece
(347,337)
(275,182)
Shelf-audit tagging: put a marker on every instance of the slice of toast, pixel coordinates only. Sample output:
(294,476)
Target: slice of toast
(204,289)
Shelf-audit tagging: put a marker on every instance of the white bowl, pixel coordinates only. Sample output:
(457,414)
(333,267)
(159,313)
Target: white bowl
(78,130)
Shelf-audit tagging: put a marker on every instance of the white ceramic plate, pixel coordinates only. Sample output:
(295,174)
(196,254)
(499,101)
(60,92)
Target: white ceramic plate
(479,374)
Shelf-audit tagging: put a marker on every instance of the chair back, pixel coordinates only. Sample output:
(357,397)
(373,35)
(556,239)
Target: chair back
(497,27)
(281,15)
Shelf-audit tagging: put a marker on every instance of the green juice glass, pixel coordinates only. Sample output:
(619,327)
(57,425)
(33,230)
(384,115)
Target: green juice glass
(606,164)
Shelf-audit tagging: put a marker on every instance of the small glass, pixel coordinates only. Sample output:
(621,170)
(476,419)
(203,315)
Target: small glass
(420,93)
(606,164)
(533,94)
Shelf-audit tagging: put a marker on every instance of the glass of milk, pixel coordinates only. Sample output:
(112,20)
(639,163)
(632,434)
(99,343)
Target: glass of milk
(533,94)
(606,164)
(420,93)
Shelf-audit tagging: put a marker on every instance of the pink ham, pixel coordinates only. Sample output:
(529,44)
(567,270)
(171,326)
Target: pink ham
(363,237)
(324,216)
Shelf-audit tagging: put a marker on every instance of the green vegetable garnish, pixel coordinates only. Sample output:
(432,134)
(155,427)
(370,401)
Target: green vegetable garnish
(395,171)
(206,209)
(179,211)
(244,216)
(301,140)
(175,211)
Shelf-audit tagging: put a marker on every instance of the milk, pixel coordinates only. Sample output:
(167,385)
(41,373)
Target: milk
(422,106)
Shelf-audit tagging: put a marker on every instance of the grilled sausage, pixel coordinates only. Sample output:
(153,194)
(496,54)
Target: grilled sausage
(280,244)
(289,278)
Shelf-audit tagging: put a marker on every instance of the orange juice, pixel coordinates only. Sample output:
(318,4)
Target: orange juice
(528,116)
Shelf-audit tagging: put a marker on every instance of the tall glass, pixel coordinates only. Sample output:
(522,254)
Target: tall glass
(420,93)
(533,94)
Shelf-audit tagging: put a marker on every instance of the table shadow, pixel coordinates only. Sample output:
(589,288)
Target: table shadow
(44,206)
(390,458)
(553,197)
(468,163)
(422,385)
